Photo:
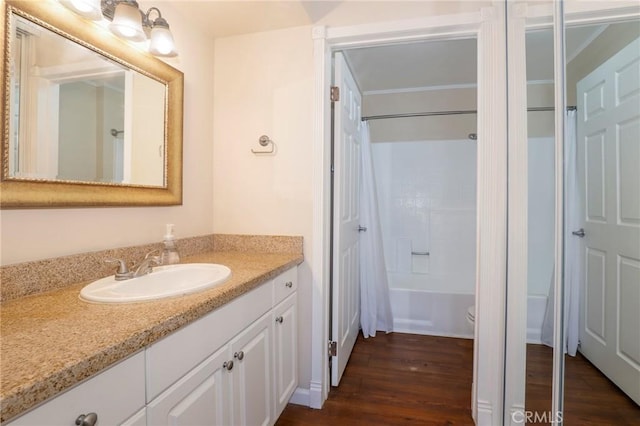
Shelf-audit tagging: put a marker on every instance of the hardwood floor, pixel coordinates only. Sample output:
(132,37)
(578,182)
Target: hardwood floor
(406,379)
(589,397)
(398,379)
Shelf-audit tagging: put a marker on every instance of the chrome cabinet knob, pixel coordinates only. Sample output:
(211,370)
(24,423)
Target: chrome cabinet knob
(228,365)
(239,355)
(87,419)
(288,284)
(279,319)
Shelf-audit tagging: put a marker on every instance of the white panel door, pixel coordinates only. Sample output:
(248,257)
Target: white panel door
(346,218)
(609,165)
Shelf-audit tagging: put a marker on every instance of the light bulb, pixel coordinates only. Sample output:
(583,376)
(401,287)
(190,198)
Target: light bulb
(127,22)
(89,9)
(162,43)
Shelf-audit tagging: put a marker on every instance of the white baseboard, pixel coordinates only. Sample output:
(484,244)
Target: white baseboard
(485,414)
(300,397)
(315,395)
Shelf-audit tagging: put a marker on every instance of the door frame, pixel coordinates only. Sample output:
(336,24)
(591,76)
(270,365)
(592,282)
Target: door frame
(487,26)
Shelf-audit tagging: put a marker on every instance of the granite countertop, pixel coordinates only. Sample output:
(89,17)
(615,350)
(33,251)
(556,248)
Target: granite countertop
(54,340)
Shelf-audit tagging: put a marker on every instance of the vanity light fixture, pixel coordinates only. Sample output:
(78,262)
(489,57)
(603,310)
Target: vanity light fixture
(89,9)
(129,22)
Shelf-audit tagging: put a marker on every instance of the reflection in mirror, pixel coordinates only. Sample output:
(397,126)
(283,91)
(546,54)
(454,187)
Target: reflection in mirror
(132,153)
(78,116)
(601,224)
(602,220)
(541,217)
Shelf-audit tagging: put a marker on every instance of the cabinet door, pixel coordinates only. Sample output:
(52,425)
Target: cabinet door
(252,374)
(286,351)
(138,419)
(201,397)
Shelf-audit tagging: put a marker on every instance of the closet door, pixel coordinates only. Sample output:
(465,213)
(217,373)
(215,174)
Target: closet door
(581,240)
(531,211)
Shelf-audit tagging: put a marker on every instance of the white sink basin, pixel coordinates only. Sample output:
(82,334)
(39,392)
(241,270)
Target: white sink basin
(164,281)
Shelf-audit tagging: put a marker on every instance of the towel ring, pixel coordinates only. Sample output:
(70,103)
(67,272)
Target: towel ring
(265,141)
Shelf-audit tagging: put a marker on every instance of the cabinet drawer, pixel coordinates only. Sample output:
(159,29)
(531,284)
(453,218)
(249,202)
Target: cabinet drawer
(284,285)
(114,395)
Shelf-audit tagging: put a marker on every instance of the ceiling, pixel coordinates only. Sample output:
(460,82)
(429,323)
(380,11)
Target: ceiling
(227,18)
(413,65)
(452,62)
(223,18)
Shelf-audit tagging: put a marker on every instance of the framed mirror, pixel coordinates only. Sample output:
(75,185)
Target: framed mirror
(88,120)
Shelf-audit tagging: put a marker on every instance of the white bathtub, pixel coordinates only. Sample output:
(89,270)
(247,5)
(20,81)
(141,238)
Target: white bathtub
(421,304)
(434,311)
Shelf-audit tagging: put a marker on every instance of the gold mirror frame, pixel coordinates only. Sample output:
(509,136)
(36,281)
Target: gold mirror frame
(18,193)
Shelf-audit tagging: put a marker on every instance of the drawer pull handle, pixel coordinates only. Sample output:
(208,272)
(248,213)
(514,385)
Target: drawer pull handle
(87,419)
(239,355)
(289,284)
(228,365)
(279,319)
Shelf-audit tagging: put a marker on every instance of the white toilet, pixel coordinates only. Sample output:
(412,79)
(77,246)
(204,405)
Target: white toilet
(471,318)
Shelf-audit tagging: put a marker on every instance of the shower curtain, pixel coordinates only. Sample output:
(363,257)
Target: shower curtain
(573,261)
(375,307)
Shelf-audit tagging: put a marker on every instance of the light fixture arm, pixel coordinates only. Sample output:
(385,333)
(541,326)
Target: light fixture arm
(147,15)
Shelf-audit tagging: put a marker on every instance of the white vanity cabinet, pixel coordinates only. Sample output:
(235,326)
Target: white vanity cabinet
(235,366)
(242,381)
(116,396)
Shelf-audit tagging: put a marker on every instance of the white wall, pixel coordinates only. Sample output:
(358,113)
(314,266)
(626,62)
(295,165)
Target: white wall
(42,233)
(264,86)
(427,202)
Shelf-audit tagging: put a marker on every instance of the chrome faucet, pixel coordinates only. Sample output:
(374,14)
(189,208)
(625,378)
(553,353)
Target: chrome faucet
(146,266)
(143,268)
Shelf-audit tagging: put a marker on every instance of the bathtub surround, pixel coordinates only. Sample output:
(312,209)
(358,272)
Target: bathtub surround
(427,196)
(30,278)
(73,331)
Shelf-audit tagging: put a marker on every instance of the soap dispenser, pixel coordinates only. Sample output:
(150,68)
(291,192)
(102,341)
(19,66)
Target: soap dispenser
(169,252)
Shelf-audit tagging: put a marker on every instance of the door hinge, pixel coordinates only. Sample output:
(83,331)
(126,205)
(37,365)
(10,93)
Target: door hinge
(333,348)
(335,94)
